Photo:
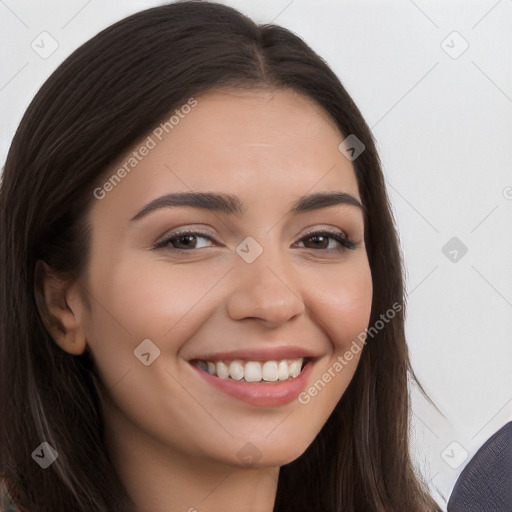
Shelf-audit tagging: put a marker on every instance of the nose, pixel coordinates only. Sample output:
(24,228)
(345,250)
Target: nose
(265,289)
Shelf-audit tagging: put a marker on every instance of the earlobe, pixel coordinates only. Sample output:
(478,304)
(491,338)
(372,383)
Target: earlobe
(60,307)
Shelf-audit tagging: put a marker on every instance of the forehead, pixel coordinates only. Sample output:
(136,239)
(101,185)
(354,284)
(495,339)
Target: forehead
(267,143)
(257,122)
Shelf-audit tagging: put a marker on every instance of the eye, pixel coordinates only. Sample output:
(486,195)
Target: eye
(322,240)
(184,241)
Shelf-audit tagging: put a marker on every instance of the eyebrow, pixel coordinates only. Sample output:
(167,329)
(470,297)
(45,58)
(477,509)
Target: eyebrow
(232,205)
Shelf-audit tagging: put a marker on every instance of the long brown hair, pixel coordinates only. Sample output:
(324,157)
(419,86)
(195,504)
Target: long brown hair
(101,100)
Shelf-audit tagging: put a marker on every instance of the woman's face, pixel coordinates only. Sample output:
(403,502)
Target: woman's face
(170,285)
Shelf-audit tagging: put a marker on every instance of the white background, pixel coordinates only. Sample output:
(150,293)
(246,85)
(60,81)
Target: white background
(443,124)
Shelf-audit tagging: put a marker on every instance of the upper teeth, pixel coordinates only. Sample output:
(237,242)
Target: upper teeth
(254,371)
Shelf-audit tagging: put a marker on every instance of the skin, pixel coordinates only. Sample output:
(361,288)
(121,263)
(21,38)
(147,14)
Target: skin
(173,438)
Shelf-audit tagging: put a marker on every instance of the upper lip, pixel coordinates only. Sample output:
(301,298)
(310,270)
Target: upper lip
(259,354)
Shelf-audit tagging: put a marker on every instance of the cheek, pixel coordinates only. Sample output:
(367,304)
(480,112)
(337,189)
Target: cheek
(155,297)
(156,301)
(341,303)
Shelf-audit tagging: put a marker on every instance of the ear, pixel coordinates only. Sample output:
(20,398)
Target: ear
(61,308)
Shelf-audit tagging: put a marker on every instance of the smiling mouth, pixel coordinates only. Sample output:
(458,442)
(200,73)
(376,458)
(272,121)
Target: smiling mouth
(254,371)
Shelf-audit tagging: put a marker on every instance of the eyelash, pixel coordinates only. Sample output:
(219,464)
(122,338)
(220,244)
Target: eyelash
(345,242)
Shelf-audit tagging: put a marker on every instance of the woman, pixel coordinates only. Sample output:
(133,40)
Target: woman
(202,296)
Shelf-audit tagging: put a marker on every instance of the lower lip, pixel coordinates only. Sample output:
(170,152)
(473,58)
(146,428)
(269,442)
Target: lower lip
(261,394)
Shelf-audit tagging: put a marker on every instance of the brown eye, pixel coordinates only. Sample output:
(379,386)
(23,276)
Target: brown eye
(183,241)
(321,240)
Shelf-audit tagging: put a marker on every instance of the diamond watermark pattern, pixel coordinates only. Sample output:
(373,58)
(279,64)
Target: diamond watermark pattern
(454,45)
(351,147)
(454,455)
(249,249)
(44,45)
(454,249)
(249,454)
(146,352)
(45,455)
